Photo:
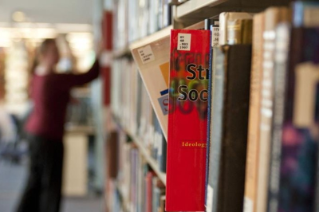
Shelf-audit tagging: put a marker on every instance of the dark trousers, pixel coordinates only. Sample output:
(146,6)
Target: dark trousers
(43,187)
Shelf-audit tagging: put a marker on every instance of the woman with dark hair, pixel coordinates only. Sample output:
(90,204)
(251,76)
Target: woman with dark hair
(50,93)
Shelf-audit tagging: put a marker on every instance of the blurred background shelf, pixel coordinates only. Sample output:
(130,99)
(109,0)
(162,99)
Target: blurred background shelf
(151,38)
(148,158)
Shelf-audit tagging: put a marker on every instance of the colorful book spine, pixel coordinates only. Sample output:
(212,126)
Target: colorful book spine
(187,121)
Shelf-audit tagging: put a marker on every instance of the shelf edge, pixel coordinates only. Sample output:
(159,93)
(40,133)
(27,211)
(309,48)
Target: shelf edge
(151,38)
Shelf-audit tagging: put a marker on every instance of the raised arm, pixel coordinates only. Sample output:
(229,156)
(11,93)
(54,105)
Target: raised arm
(72,80)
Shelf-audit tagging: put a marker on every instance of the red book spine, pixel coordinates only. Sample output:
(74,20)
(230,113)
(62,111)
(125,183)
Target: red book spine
(149,188)
(107,32)
(187,120)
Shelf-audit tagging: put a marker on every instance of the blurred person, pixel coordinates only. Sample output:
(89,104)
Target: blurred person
(50,93)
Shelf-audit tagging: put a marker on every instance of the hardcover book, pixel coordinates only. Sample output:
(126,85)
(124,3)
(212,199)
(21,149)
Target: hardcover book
(187,121)
(213,25)
(254,115)
(239,31)
(273,16)
(153,63)
(224,18)
(229,128)
(215,105)
(280,72)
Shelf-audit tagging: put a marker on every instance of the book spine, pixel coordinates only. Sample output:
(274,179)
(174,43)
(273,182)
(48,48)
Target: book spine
(273,16)
(281,56)
(222,28)
(162,150)
(254,116)
(216,132)
(189,74)
(300,143)
(235,124)
(209,171)
(234,31)
(207,27)
(316,207)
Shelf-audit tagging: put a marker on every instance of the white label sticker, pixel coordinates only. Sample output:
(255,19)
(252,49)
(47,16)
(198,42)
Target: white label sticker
(215,36)
(209,200)
(184,42)
(146,54)
(248,205)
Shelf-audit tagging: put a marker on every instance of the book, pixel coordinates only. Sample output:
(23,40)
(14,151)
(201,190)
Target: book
(149,192)
(187,120)
(162,153)
(153,63)
(223,21)
(229,128)
(215,92)
(299,141)
(213,25)
(305,13)
(273,16)
(280,71)
(239,31)
(162,204)
(158,191)
(254,114)
(112,154)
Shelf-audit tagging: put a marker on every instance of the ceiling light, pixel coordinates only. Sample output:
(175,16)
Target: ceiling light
(18,16)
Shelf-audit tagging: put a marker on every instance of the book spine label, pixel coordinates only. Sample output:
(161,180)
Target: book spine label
(215,32)
(187,120)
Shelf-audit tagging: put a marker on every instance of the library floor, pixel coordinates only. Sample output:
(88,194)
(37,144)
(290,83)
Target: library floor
(12,178)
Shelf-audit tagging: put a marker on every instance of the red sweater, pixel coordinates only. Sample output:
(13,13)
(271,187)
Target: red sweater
(50,94)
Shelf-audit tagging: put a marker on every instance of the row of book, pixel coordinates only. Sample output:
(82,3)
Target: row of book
(135,19)
(133,110)
(238,106)
(133,185)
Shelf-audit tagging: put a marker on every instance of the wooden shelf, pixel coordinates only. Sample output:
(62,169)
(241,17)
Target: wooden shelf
(193,7)
(151,38)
